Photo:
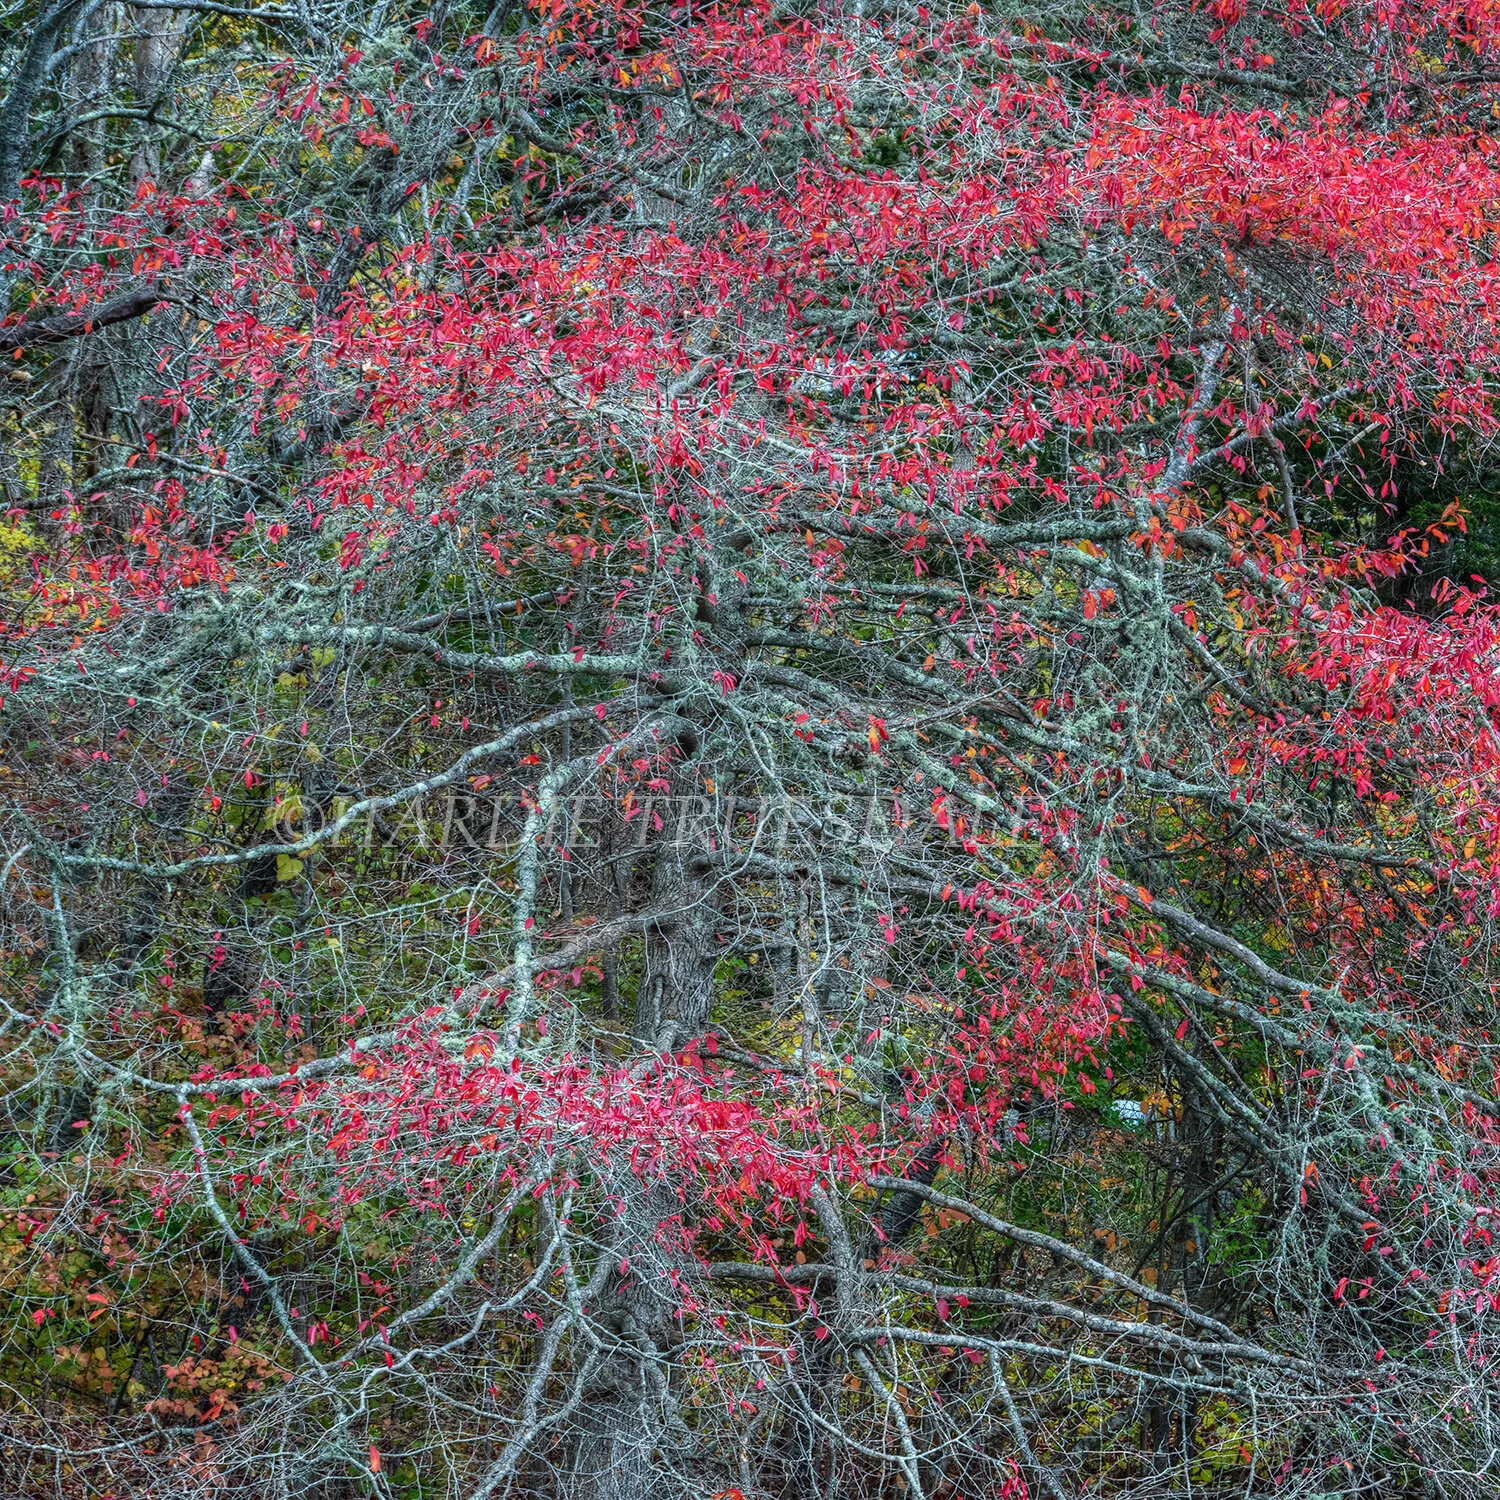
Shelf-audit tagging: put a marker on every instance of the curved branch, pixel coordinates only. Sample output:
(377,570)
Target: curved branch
(64,326)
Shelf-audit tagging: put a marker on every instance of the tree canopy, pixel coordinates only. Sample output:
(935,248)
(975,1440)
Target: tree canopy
(749,749)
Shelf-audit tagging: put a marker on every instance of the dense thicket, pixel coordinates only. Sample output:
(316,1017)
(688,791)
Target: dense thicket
(748,749)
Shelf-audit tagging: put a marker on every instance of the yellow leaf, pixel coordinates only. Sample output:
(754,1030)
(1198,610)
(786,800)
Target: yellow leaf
(287,868)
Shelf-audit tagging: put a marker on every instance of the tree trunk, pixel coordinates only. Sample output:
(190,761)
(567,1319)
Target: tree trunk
(625,1415)
(676,991)
(628,1437)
